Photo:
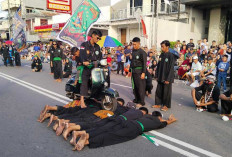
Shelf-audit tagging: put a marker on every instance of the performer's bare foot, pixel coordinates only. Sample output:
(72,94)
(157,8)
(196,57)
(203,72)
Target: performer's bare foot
(47,115)
(164,108)
(81,142)
(138,105)
(68,128)
(60,129)
(51,73)
(75,134)
(42,113)
(229,115)
(83,104)
(55,125)
(156,106)
(52,118)
(57,80)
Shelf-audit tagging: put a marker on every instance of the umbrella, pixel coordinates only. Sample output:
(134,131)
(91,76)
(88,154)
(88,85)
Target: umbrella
(107,41)
(9,42)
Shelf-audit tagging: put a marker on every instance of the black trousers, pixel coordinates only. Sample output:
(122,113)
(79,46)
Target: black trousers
(120,67)
(163,95)
(106,126)
(17,59)
(67,74)
(85,82)
(119,134)
(38,67)
(226,106)
(210,108)
(9,60)
(57,69)
(139,88)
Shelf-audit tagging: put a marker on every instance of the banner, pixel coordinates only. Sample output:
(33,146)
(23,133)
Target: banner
(20,41)
(18,23)
(76,29)
(61,6)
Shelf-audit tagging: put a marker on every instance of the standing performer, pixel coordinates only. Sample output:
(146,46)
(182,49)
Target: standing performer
(5,53)
(57,61)
(89,53)
(50,51)
(138,69)
(165,77)
(17,58)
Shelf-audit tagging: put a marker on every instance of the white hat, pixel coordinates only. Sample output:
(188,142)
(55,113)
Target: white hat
(211,78)
(195,57)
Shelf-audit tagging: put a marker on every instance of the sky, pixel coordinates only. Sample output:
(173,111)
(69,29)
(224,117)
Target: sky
(4,14)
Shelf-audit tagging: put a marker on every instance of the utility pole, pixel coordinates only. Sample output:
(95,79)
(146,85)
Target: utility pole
(152,22)
(156,22)
(9,18)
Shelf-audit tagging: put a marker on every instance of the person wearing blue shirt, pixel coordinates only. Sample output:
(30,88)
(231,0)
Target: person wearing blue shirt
(119,55)
(36,48)
(222,74)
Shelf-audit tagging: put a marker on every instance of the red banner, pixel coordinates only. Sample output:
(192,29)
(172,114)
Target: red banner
(62,6)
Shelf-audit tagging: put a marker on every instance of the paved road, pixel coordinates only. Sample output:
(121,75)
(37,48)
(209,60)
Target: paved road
(195,134)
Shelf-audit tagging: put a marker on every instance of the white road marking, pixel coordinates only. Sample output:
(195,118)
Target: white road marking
(120,85)
(174,148)
(40,88)
(36,90)
(27,66)
(197,149)
(164,144)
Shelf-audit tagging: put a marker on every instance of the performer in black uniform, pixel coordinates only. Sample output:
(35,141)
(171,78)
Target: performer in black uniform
(5,53)
(36,65)
(67,68)
(50,51)
(138,69)
(124,132)
(56,63)
(165,77)
(89,53)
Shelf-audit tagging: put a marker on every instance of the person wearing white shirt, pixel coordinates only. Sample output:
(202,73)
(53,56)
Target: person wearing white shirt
(195,70)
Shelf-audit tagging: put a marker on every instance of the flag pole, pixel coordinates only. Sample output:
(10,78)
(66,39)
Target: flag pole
(9,18)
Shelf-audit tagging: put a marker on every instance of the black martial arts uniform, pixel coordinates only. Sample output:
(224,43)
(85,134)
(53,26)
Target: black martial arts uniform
(94,55)
(149,85)
(67,69)
(37,64)
(5,54)
(164,72)
(138,66)
(51,51)
(57,57)
(127,131)
(17,59)
(113,121)
(226,105)
(204,88)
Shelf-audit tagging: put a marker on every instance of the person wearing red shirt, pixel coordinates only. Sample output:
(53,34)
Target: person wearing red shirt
(109,63)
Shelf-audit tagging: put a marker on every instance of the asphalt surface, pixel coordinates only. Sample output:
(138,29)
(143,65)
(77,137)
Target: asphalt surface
(194,134)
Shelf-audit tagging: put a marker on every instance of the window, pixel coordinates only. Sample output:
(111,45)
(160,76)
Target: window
(29,11)
(193,24)
(206,30)
(43,22)
(28,26)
